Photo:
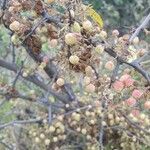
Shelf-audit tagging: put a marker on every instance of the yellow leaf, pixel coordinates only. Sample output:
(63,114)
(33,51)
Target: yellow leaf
(95,16)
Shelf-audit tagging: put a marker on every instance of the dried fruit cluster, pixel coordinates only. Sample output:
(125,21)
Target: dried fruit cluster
(87,101)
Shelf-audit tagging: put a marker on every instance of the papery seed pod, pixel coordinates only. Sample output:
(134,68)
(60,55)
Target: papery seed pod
(70,39)
(47,141)
(147,105)
(84,131)
(115,32)
(73,59)
(103,34)
(42,136)
(37,140)
(87,25)
(53,43)
(55,139)
(99,48)
(60,82)
(90,88)
(52,129)
(72,13)
(50,1)
(76,27)
(135,40)
(86,80)
(109,65)
(15,26)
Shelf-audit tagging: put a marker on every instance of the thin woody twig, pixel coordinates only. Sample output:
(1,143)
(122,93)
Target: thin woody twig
(30,99)
(34,28)
(17,122)
(115,72)
(142,26)
(4,4)
(137,67)
(13,52)
(128,132)
(101,132)
(18,95)
(17,76)
(2,103)
(134,64)
(6,145)
(49,114)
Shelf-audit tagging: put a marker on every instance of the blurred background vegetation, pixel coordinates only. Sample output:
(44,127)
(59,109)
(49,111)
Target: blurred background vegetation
(121,14)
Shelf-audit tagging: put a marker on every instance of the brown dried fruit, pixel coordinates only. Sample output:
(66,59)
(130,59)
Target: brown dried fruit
(34,43)
(38,7)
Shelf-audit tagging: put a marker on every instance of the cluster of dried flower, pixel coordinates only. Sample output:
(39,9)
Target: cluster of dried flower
(88,102)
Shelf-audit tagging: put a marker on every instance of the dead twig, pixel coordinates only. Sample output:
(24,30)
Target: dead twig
(142,26)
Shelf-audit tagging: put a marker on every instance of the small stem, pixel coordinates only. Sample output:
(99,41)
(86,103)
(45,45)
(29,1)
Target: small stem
(142,26)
